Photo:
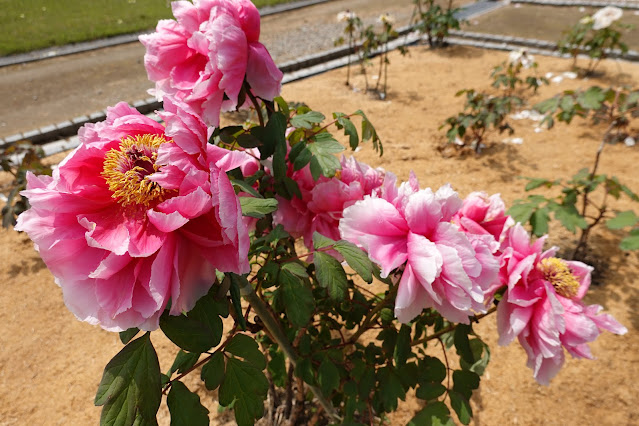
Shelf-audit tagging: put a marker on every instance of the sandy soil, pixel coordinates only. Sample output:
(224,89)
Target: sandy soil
(50,363)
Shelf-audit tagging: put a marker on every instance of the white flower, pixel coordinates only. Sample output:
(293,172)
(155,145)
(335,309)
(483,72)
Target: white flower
(521,57)
(346,16)
(586,20)
(606,16)
(386,18)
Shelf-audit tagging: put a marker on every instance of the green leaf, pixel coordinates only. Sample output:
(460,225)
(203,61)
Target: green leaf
(536,183)
(349,129)
(183,361)
(331,275)
(320,241)
(299,302)
(356,259)
(276,127)
(296,269)
(185,407)
(245,187)
(324,161)
(461,405)
(631,242)
(591,98)
(245,387)
(247,140)
(462,344)
(257,207)
(392,388)
(623,219)
(521,212)
(198,330)
(429,391)
(431,369)
(213,371)
(328,377)
(465,382)
(434,414)
(481,352)
(307,120)
(246,347)
(127,335)
(130,389)
(539,222)
(570,218)
(277,367)
(402,346)
(236,297)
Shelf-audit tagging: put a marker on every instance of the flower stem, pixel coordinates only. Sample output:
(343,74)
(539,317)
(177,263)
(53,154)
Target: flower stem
(271,324)
(255,103)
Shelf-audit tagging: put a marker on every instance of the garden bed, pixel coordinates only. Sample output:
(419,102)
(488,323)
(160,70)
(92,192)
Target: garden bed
(51,363)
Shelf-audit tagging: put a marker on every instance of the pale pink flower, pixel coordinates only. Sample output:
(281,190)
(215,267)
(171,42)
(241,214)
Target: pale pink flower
(411,228)
(322,202)
(204,56)
(542,305)
(138,215)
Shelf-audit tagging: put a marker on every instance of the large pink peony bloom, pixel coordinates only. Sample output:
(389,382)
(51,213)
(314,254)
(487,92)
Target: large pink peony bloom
(204,56)
(483,215)
(443,270)
(138,215)
(542,305)
(322,202)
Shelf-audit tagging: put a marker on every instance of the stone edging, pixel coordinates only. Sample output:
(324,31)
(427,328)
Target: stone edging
(634,5)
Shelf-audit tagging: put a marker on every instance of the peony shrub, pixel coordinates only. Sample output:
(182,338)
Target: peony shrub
(144,226)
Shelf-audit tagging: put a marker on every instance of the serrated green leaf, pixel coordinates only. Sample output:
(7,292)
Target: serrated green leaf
(246,347)
(307,120)
(536,183)
(246,387)
(198,330)
(257,207)
(356,259)
(305,370)
(185,407)
(434,414)
(623,219)
(183,361)
(521,212)
(330,274)
(130,389)
(591,98)
(127,335)
(299,303)
(296,269)
(481,352)
(320,241)
(277,367)
(349,129)
(324,162)
(328,377)
(237,281)
(570,218)
(461,405)
(431,369)
(213,371)
(276,129)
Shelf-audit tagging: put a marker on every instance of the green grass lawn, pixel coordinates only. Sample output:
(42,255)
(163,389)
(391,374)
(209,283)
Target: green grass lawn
(36,24)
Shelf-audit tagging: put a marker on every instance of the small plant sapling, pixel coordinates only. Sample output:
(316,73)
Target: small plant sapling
(594,36)
(435,21)
(584,202)
(353,23)
(508,74)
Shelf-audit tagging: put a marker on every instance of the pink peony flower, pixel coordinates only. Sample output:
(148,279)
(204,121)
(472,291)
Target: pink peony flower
(443,269)
(322,202)
(138,215)
(206,54)
(483,215)
(542,305)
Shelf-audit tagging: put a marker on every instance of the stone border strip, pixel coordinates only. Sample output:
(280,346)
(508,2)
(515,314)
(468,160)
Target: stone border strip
(87,46)
(634,5)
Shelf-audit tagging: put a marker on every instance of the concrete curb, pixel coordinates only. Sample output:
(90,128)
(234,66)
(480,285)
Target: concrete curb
(54,52)
(633,5)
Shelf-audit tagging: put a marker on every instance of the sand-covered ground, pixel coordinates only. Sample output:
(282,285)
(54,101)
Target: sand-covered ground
(50,363)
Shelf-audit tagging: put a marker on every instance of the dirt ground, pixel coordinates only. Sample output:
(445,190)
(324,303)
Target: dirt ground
(50,363)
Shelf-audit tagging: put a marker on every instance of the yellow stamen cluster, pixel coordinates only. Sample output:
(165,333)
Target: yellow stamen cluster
(127,170)
(559,274)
